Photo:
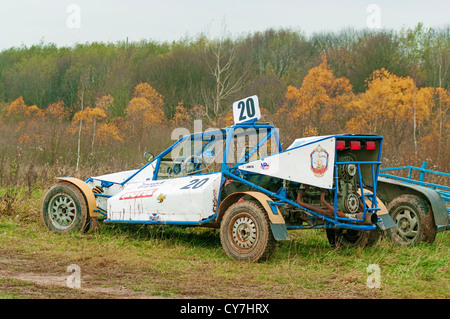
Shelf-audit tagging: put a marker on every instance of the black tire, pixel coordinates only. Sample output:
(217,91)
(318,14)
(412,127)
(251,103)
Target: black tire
(414,219)
(245,232)
(343,237)
(64,209)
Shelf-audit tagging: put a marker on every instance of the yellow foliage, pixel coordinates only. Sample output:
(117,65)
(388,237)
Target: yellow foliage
(16,110)
(390,101)
(229,119)
(141,111)
(104,102)
(57,112)
(108,132)
(320,99)
(89,117)
(145,108)
(197,112)
(310,131)
(146,91)
(24,139)
(181,116)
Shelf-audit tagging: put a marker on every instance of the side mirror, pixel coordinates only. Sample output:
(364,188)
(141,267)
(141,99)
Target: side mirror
(149,156)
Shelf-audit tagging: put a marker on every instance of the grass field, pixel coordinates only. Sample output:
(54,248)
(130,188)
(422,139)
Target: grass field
(134,261)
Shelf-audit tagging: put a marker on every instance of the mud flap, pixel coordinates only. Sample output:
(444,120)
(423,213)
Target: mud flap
(279,231)
(386,222)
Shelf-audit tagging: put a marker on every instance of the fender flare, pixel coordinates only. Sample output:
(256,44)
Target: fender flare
(277,223)
(389,189)
(85,190)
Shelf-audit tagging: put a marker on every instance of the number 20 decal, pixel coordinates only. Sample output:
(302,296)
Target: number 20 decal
(246,110)
(195,183)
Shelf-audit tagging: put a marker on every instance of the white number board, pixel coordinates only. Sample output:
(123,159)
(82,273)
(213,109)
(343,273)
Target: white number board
(246,110)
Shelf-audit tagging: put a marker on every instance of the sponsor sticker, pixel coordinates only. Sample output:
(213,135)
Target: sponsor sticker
(319,161)
(138,194)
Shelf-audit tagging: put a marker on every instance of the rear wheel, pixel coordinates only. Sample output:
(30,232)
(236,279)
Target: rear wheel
(245,232)
(342,237)
(414,219)
(64,209)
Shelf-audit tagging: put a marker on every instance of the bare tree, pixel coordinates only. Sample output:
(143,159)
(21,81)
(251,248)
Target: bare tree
(220,55)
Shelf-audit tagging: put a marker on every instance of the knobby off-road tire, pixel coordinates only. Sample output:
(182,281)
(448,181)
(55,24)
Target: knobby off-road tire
(64,209)
(414,219)
(245,232)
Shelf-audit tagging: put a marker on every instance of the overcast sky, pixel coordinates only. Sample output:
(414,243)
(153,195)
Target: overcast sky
(66,22)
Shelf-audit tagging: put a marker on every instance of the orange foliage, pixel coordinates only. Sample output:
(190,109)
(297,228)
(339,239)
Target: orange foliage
(181,116)
(104,102)
(146,91)
(18,111)
(317,102)
(392,106)
(145,108)
(184,117)
(89,116)
(57,112)
(109,132)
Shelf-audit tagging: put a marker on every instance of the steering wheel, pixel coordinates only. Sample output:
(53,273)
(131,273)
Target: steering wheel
(188,161)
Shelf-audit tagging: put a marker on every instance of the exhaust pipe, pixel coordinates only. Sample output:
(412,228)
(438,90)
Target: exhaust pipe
(312,207)
(369,219)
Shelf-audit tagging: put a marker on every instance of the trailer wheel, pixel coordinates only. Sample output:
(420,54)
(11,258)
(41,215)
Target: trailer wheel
(64,209)
(414,219)
(245,232)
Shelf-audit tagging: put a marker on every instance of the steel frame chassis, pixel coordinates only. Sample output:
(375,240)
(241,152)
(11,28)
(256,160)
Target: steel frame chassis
(281,196)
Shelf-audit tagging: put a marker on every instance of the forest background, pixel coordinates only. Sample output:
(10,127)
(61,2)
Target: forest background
(94,108)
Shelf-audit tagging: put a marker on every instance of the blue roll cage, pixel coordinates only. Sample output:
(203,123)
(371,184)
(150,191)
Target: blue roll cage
(232,172)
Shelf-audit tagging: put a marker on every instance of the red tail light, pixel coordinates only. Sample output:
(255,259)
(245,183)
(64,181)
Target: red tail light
(340,145)
(355,145)
(370,145)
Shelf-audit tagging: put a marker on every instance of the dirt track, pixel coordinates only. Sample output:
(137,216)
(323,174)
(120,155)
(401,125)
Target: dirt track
(46,284)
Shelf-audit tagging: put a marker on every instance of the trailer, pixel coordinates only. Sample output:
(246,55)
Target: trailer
(420,209)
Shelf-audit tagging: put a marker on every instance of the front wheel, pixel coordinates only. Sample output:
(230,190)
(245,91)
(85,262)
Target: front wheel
(245,232)
(64,209)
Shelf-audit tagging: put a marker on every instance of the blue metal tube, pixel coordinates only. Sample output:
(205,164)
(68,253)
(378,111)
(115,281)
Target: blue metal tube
(288,201)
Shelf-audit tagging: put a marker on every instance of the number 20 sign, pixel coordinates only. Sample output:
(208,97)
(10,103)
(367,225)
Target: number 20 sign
(246,110)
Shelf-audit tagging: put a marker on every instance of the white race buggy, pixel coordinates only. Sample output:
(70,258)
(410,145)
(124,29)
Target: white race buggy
(240,180)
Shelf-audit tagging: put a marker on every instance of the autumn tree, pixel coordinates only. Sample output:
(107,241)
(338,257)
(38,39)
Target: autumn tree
(146,107)
(56,115)
(108,131)
(28,120)
(220,56)
(145,111)
(320,104)
(434,141)
(392,106)
(185,117)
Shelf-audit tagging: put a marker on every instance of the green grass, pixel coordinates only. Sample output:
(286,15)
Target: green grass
(176,262)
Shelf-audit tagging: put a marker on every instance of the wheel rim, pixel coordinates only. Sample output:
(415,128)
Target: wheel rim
(62,211)
(407,224)
(243,232)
